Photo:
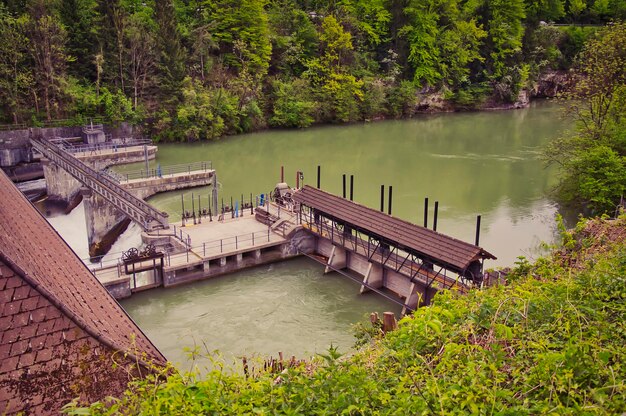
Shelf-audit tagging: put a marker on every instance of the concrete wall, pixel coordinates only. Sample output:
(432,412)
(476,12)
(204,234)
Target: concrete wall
(224,265)
(15,144)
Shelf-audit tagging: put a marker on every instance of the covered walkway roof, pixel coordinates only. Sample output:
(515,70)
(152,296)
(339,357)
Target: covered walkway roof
(446,251)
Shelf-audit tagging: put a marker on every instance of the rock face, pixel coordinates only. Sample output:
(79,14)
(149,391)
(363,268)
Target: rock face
(551,83)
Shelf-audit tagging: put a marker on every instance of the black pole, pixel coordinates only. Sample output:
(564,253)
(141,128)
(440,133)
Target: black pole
(425,212)
(390,199)
(241,207)
(251,205)
(318,176)
(182,201)
(435,217)
(344,185)
(232,211)
(351,187)
(477,230)
(382,198)
(199,210)
(193,208)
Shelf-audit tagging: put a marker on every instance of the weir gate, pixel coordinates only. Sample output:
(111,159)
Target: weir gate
(402,261)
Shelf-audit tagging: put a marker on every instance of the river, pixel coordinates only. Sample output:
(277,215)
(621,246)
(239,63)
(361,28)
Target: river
(485,163)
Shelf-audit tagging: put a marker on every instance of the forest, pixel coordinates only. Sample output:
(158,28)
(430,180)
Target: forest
(190,70)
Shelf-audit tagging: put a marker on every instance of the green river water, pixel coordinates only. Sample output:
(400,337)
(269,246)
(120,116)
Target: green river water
(484,163)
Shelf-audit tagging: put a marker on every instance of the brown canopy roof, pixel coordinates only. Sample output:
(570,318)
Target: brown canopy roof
(444,250)
(34,249)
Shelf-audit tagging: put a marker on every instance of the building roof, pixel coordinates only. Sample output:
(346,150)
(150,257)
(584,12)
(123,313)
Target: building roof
(35,251)
(446,251)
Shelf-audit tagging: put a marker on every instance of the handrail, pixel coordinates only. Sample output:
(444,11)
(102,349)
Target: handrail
(85,148)
(166,171)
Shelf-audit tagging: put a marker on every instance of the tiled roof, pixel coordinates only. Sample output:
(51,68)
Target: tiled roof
(455,254)
(46,359)
(33,249)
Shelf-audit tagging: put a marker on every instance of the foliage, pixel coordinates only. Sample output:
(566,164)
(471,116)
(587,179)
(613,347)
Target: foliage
(354,56)
(592,160)
(553,341)
(291,106)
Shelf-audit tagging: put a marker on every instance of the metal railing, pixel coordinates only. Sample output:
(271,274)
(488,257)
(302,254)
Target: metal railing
(227,245)
(160,172)
(108,146)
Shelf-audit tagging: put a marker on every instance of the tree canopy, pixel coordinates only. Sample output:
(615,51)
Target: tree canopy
(350,59)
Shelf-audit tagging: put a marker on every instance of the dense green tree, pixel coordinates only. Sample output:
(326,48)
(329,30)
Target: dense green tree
(171,56)
(16,79)
(111,28)
(242,31)
(592,159)
(47,39)
(79,19)
(140,50)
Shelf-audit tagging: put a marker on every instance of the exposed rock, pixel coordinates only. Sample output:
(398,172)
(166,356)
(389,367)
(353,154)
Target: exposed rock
(551,83)
(433,102)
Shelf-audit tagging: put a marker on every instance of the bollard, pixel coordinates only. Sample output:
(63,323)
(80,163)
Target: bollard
(344,185)
(477,230)
(425,212)
(318,176)
(252,239)
(382,198)
(435,216)
(204,249)
(236,243)
(282,174)
(390,199)
(221,246)
(351,187)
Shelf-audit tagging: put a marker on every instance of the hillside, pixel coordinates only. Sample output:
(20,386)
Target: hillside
(551,341)
(201,69)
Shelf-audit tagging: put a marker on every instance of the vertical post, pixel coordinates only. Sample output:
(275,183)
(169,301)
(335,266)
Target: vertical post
(318,176)
(351,187)
(199,211)
(477,230)
(251,205)
(182,201)
(425,212)
(232,211)
(193,209)
(435,217)
(204,249)
(221,245)
(344,185)
(382,198)
(297,179)
(390,199)
(145,155)
(241,207)
(236,244)
(282,174)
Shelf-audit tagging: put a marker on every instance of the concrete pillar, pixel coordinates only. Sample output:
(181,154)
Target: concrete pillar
(104,222)
(414,297)
(373,277)
(257,254)
(61,185)
(222,261)
(239,257)
(336,260)
(205,266)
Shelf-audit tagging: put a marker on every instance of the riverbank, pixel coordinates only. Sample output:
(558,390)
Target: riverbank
(491,350)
